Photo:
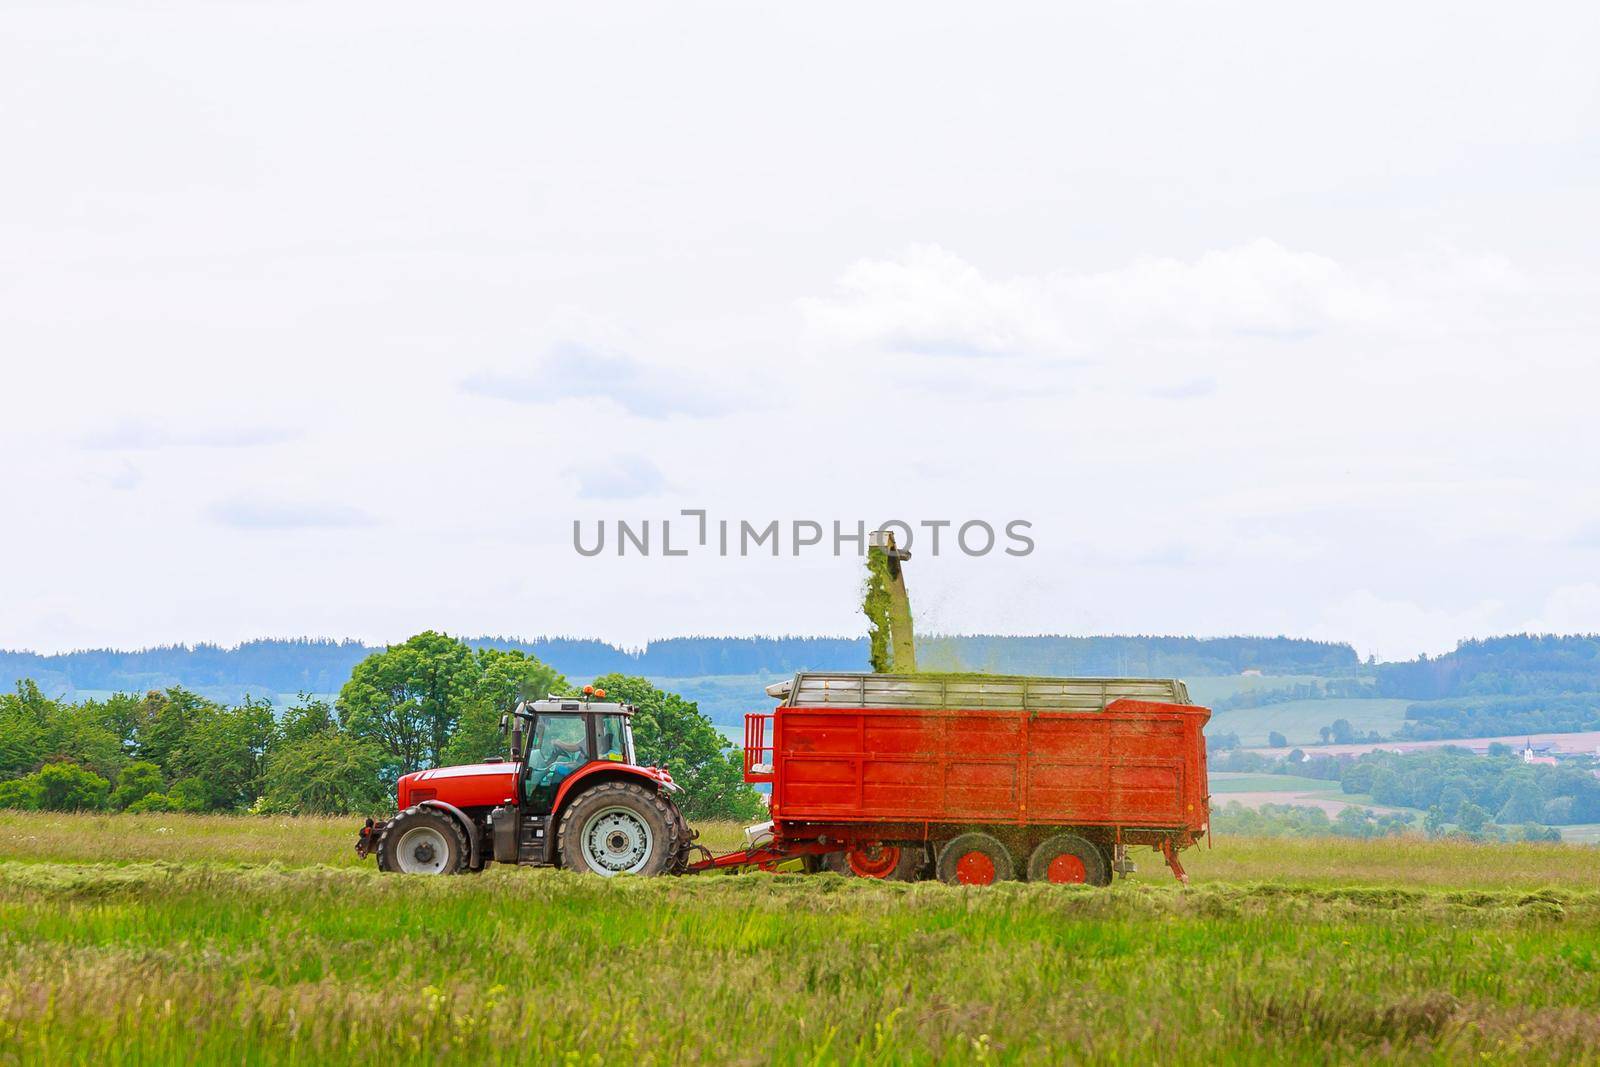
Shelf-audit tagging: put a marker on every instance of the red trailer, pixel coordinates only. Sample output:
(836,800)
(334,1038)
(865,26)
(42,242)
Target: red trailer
(976,778)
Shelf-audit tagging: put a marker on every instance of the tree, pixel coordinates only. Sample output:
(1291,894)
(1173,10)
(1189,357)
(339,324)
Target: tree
(164,720)
(306,718)
(1389,788)
(1451,798)
(1357,777)
(35,730)
(1524,805)
(1353,822)
(23,716)
(1343,733)
(327,773)
(1221,742)
(68,787)
(505,677)
(408,699)
(224,753)
(150,802)
(1277,740)
(138,780)
(21,794)
(191,794)
(1472,818)
(1326,732)
(670,732)
(1433,823)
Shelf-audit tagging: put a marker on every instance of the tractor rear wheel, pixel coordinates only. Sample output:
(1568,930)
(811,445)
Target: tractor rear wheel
(422,841)
(975,859)
(1069,859)
(621,828)
(683,835)
(893,862)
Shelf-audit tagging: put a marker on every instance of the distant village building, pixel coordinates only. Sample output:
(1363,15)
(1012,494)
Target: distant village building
(1539,753)
(1250,672)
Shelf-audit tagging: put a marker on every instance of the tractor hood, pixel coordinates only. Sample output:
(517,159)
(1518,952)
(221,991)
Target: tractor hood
(472,785)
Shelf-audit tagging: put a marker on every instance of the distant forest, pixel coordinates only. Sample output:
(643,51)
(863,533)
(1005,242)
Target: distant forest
(1518,665)
(268,667)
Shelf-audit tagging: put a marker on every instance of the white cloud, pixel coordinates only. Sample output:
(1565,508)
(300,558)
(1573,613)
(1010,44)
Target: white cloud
(578,372)
(618,478)
(1570,609)
(931,302)
(277,515)
(1395,629)
(140,435)
(1231,377)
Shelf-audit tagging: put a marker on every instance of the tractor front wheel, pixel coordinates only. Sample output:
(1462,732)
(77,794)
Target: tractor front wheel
(621,828)
(422,841)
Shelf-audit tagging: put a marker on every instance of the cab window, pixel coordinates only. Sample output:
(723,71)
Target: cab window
(559,746)
(611,738)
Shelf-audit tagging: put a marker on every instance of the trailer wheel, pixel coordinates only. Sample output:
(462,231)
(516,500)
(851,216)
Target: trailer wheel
(892,862)
(975,859)
(422,841)
(1069,859)
(621,828)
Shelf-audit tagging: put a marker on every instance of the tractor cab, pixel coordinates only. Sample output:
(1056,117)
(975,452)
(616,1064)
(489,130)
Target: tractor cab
(553,739)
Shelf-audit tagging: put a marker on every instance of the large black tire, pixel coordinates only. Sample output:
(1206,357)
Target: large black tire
(975,859)
(1069,859)
(685,838)
(621,828)
(422,841)
(894,862)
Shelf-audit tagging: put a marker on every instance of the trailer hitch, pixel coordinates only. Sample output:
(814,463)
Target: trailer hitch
(367,839)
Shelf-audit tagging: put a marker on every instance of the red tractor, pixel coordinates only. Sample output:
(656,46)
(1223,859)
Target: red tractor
(571,794)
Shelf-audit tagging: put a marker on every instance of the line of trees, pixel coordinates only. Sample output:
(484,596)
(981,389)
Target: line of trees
(431,701)
(1498,716)
(1456,789)
(319,666)
(1319,689)
(1301,820)
(1499,666)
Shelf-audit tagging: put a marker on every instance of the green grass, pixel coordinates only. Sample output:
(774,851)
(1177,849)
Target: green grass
(1307,951)
(1208,690)
(1222,782)
(1299,720)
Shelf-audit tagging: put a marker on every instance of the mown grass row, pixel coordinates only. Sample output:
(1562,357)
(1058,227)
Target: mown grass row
(304,841)
(205,963)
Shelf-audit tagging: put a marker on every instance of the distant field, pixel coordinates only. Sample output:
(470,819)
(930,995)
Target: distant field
(1326,951)
(1581,834)
(1210,689)
(1299,720)
(1224,782)
(1256,790)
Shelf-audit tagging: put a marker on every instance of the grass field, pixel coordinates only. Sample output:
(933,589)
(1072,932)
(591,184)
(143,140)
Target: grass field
(164,939)
(1223,782)
(1299,720)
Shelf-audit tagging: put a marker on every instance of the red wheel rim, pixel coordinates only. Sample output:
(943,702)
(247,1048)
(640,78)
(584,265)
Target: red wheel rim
(873,862)
(975,868)
(1066,868)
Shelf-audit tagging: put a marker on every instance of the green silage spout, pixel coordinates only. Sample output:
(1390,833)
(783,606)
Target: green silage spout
(888,607)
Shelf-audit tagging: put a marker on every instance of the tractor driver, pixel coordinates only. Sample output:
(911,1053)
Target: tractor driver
(560,746)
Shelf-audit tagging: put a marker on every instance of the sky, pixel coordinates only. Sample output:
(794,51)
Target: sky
(333,319)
